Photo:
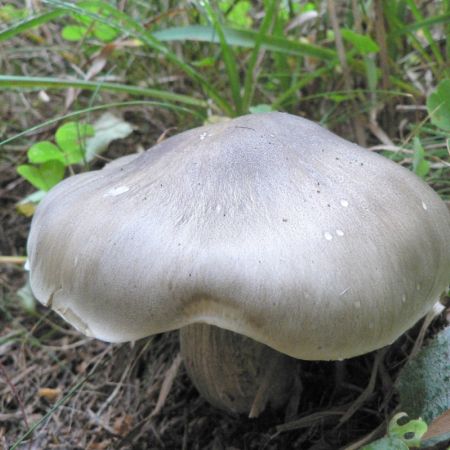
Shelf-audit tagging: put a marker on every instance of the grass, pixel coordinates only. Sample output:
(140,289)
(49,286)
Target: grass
(167,69)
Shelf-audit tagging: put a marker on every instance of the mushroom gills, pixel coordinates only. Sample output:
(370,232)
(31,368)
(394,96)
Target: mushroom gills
(236,373)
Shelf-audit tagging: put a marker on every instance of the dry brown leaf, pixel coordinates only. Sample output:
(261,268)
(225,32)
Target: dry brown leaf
(50,394)
(99,445)
(439,426)
(98,63)
(123,425)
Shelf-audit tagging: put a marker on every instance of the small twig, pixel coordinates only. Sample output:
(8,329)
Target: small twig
(15,393)
(377,131)
(357,125)
(378,432)
(411,108)
(367,392)
(167,384)
(437,309)
(262,394)
(307,421)
(13,259)
(380,32)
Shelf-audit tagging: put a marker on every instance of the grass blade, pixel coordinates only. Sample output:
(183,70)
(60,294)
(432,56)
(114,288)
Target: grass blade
(251,75)
(121,21)
(444,18)
(80,112)
(229,58)
(426,31)
(12,81)
(290,94)
(31,22)
(244,38)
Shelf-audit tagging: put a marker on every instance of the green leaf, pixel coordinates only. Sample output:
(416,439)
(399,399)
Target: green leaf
(44,176)
(204,62)
(438,105)
(362,43)
(245,38)
(119,20)
(421,166)
(387,443)
(29,23)
(105,33)
(74,33)
(239,14)
(8,13)
(44,151)
(401,436)
(70,137)
(410,432)
(260,109)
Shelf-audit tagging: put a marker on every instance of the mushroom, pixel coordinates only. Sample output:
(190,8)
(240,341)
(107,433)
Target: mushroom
(265,239)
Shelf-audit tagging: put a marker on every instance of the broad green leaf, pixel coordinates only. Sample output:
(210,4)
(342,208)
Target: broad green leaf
(105,33)
(438,105)
(71,137)
(43,176)
(101,31)
(239,14)
(401,436)
(84,18)
(421,166)
(338,98)
(386,443)
(410,432)
(74,33)
(362,43)
(8,13)
(204,62)
(260,109)
(44,151)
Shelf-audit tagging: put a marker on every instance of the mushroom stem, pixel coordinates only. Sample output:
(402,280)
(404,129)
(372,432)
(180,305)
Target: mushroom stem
(236,373)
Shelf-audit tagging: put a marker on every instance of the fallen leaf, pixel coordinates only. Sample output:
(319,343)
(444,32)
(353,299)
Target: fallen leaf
(50,394)
(123,425)
(440,425)
(107,128)
(99,445)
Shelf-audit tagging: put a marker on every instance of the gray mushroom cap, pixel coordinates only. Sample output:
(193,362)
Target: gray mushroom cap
(267,225)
